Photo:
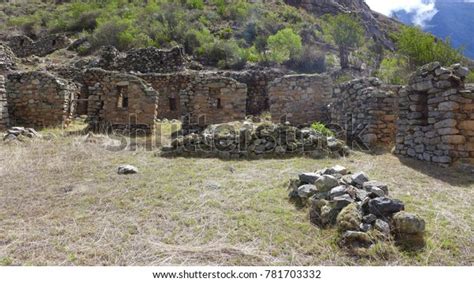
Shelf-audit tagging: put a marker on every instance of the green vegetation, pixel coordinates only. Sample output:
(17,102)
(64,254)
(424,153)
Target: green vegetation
(285,44)
(393,70)
(421,48)
(347,33)
(470,77)
(321,127)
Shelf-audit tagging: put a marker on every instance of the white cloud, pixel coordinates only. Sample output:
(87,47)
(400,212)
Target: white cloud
(424,10)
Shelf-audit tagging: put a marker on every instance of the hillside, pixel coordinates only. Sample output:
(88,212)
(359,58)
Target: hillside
(453,19)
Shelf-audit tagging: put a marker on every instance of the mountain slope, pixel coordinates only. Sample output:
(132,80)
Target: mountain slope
(454,19)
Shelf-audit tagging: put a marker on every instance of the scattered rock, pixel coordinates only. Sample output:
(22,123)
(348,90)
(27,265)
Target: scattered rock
(408,223)
(307,191)
(309,178)
(370,218)
(127,169)
(385,207)
(326,182)
(382,226)
(370,185)
(358,179)
(355,239)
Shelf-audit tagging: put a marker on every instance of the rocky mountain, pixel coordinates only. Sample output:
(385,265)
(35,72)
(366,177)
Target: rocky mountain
(454,19)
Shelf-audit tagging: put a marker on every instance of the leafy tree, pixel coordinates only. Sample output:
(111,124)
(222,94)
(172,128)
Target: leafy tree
(347,33)
(285,44)
(422,48)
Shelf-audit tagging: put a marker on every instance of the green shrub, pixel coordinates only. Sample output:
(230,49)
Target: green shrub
(393,70)
(470,77)
(195,4)
(285,44)
(321,128)
(422,48)
(309,61)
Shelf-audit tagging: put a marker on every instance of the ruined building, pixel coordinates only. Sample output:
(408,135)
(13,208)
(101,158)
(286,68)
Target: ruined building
(365,109)
(39,99)
(436,122)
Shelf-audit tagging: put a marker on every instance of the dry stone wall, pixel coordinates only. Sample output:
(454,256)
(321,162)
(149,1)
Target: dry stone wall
(39,99)
(144,60)
(3,105)
(199,98)
(366,109)
(257,82)
(120,102)
(8,59)
(300,99)
(436,121)
(23,46)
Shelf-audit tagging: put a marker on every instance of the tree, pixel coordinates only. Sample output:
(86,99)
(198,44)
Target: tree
(422,48)
(285,44)
(347,33)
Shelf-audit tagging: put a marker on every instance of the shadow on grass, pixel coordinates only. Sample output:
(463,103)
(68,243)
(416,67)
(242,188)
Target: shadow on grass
(452,175)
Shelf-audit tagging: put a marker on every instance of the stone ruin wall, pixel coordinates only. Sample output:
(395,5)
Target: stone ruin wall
(257,82)
(367,109)
(120,101)
(436,121)
(144,60)
(39,99)
(300,99)
(199,99)
(23,46)
(4,121)
(8,60)
(170,88)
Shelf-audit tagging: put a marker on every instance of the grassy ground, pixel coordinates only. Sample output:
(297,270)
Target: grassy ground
(62,203)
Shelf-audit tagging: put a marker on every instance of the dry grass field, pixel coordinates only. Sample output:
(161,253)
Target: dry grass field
(63,203)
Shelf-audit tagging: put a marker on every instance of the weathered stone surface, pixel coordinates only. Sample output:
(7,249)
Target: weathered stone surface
(300,99)
(371,185)
(359,179)
(382,226)
(338,191)
(24,46)
(384,207)
(307,191)
(127,169)
(408,223)
(326,182)
(434,122)
(309,177)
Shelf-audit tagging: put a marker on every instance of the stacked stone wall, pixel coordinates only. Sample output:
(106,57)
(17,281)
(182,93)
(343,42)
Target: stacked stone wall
(300,99)
(366,109)
(3,105)
(436,121)
(120,101)
(39,99)
(198,98)
(23,46)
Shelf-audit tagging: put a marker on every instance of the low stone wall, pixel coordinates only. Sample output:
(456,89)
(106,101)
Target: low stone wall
(249,140)
(120,101)
(436,121)
(23,46)
(366,109)
(4,121)
(300,99)
(39,99)
(8,59)
(257,82)
(170,88)
(144,60)
(199,98)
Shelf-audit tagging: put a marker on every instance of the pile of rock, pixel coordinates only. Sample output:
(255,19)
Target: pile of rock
(359,208)
(250,140)
(20,134)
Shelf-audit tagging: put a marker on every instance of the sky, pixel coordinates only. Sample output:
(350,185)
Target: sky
(424,10)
